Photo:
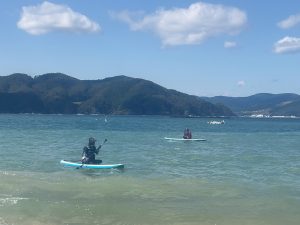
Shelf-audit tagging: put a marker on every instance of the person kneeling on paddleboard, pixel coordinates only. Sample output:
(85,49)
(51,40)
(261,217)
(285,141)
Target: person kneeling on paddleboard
(187,134)
(90,151)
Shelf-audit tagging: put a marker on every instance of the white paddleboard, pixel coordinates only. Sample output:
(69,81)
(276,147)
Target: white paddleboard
(183,139)
(78,165)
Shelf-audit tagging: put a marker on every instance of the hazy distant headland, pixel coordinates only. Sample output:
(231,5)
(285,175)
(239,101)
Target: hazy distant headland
(262,104)
(56,93)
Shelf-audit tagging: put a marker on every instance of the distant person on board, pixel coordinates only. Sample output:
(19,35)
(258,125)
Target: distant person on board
(90,151)
(187,134)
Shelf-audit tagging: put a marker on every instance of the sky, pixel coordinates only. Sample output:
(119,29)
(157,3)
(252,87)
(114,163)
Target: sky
(203,48)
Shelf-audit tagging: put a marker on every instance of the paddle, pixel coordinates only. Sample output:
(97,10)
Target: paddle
(105,140)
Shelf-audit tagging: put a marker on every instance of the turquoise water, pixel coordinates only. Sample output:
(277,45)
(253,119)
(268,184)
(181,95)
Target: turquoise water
(247,172)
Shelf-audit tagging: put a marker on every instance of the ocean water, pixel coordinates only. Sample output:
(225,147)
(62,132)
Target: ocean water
(246,173)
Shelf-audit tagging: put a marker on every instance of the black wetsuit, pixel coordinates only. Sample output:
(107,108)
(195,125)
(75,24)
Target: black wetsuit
(89,154)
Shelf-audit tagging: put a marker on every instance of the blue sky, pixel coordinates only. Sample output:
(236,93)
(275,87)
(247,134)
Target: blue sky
(205,48)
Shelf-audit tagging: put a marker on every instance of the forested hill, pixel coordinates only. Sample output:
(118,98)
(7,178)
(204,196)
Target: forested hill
(59,93)
(286,104)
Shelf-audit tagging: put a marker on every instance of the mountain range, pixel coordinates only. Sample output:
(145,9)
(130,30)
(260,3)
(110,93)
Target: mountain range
(286,104)
(62,94)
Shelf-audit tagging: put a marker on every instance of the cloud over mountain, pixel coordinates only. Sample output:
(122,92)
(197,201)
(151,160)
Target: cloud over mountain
(48,17)
(230,44)
(287,45)
(241,83)
(185,26)
(290,22)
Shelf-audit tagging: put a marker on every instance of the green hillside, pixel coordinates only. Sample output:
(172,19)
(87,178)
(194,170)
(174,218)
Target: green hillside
(59,93)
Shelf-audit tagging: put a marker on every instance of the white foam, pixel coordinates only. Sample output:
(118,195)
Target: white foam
(10,201)
(7,173)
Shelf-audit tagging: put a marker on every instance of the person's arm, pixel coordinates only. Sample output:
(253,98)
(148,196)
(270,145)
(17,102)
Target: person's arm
(97,149)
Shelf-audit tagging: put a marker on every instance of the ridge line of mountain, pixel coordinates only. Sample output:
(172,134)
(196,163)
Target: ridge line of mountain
(263,104)
(60,93)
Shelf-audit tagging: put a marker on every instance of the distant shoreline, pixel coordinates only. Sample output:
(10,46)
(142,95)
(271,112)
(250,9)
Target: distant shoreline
(171,116)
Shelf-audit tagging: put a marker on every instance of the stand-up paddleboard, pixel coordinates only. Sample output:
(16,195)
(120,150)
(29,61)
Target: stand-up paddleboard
(79,165)
(183,139)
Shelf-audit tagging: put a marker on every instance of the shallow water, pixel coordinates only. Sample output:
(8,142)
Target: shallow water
(247,172)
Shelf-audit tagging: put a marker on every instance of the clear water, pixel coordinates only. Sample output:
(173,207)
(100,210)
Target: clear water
(247,172)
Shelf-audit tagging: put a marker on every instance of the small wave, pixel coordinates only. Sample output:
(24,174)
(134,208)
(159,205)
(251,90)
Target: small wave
(10,201)
(7,173)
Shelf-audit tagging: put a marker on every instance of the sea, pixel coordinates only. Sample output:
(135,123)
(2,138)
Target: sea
(247,172)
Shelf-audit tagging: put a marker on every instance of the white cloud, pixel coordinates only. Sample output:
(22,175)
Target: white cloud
(48,17)
(291,21)
(241,83)
(191,25)
(287,45)
(230,44)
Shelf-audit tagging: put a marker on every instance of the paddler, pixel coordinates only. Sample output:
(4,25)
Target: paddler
(90,151)
(187,134)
